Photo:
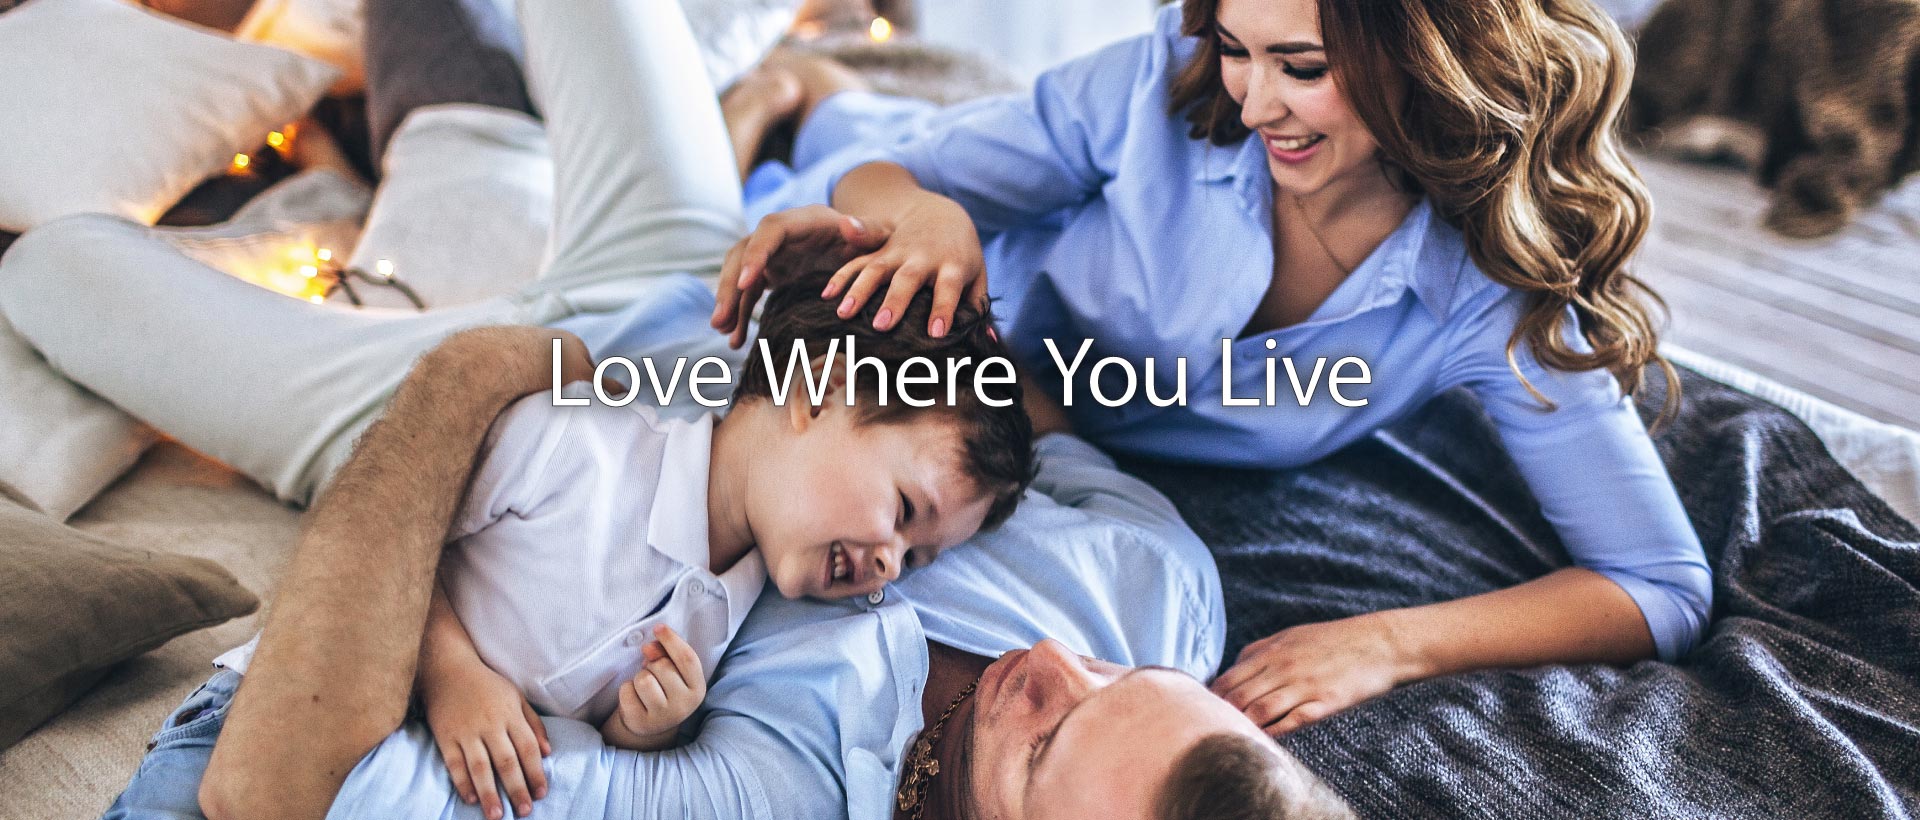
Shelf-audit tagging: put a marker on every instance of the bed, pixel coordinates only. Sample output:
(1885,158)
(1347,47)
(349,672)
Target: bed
(1444,749)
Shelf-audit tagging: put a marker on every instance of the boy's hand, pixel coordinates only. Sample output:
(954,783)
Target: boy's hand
(486,729)
(659,698)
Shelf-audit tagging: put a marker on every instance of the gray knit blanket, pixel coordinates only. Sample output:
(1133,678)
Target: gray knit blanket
(1802,701)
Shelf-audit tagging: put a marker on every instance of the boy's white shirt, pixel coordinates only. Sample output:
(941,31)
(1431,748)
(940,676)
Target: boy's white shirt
(583,528)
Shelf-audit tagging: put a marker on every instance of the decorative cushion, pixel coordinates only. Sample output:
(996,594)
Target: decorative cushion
(115,109)
(497,165)
(60,445)
(72,606)
(735,34)
(331,31)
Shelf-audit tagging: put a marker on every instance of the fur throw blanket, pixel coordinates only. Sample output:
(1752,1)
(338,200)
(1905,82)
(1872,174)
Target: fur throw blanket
(1822,96)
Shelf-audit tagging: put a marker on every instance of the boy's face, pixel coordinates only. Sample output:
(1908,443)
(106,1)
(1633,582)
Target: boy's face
(839,508)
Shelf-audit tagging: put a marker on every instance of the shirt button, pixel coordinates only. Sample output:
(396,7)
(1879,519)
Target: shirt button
(699,587)
(877,597)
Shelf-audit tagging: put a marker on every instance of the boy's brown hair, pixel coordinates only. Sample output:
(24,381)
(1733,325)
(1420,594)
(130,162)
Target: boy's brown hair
(998,441)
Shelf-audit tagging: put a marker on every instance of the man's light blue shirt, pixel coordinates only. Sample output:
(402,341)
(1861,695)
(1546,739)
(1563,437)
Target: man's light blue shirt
(1103,219)
(813,705)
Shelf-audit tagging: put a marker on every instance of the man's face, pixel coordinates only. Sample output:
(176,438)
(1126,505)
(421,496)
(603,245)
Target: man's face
(840,508)
(1062,737)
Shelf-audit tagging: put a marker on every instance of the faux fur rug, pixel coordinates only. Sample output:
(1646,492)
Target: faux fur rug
(1822,97)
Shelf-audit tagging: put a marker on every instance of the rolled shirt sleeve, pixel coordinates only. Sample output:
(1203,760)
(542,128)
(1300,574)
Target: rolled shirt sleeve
(1593,469)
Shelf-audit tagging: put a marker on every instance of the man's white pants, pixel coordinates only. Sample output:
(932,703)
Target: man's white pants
(279,388)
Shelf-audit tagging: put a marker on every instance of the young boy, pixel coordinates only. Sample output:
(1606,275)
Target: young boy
(604,557)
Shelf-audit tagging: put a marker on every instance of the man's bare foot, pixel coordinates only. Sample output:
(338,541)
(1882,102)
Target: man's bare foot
(762,99)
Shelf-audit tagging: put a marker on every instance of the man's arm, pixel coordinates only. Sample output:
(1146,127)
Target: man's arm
(335,666)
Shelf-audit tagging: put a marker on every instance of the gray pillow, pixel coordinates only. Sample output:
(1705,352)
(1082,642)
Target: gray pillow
(72,606)
(432,52)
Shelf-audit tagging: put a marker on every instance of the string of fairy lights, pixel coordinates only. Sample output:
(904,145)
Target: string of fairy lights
(313,273)
(308,271)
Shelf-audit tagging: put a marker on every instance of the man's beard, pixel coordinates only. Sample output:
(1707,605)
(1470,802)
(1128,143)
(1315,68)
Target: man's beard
(952,795)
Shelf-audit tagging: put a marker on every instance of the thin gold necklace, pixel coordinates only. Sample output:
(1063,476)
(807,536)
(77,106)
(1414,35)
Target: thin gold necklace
(1315,233)
(921,767)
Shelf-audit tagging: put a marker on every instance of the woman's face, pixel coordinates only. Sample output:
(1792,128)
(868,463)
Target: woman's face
(1274,63)
(1056,735)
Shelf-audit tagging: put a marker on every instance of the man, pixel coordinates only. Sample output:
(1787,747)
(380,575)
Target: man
(815,709)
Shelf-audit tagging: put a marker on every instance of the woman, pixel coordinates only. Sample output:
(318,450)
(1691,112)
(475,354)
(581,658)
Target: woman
(1436,188)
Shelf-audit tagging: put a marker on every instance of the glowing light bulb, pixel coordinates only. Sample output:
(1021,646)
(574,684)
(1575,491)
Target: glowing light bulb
(309,271)
(881,30)
(241,162)
(317,299)
(384,267)
(324,255)
(276,139)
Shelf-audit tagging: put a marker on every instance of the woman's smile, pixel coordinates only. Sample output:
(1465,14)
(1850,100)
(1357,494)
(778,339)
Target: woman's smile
(1293,150)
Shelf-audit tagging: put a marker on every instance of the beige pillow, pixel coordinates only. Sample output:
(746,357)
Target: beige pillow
(72,606)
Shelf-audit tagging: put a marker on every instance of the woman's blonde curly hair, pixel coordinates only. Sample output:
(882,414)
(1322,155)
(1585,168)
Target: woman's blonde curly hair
(1510,126)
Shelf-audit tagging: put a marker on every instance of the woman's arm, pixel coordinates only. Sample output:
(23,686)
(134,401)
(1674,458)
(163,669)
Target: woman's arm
(1593,469)
(1306,673)
(1640,586)
(989,165)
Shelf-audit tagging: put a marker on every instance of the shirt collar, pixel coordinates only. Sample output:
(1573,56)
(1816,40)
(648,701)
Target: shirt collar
(1219,163)
(1424,254)
(677,527)
(1437,257)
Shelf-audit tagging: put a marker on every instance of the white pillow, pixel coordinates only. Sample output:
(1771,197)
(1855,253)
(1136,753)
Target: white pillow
(59,444)
(285,227)
(333,31)
(495,164)
(735,34)
(110,108)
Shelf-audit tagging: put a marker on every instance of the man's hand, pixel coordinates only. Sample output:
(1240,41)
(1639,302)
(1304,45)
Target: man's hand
(786,245)
(341,646)
(486,731)
(660,697)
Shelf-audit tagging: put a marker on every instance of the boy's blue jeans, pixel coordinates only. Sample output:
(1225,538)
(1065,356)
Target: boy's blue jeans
(167,784)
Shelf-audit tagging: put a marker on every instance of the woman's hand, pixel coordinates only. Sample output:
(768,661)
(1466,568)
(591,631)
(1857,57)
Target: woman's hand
(1305,673)
(930,241)
(486,730)
(785,246)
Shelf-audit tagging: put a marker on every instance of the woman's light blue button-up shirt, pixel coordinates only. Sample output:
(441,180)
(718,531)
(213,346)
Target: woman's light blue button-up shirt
(1103,220)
